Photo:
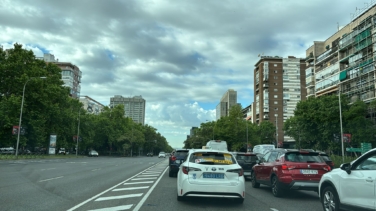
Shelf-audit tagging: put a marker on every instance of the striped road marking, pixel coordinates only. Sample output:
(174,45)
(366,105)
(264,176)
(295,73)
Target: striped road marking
(119,197)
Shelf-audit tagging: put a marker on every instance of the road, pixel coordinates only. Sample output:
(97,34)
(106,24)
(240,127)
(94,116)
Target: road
(108,184)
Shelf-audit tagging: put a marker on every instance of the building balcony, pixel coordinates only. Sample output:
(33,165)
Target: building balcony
(310,58)
(265,85)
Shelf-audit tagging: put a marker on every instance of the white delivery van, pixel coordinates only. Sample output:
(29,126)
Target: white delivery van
(217,145)
(263,148)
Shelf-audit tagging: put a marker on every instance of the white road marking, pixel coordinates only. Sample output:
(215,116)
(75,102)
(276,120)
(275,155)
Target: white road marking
(124,207)
(149,192)
(145,178)
(134,183)
(47,169)
(50,179)
(273,209)
(119,197)
(134,188)
(90,199)
(95,169)
(153,172)
(149,175)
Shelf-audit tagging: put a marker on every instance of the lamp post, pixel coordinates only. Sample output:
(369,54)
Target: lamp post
(340,119)
(276,129)
(246,121)
(20,120)
(78,130)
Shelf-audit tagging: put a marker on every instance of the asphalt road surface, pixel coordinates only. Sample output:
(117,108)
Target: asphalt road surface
(109,184)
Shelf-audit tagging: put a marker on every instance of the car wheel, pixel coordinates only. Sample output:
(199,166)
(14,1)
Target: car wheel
(329,199)
(170,174)
(255,184)
(179,198)
(276,188)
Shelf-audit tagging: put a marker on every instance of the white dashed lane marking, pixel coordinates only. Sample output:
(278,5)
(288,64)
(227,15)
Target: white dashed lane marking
(144,178)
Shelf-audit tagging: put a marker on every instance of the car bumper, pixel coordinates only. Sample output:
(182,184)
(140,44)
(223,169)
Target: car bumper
(174,168)
(221,191)
(301,185)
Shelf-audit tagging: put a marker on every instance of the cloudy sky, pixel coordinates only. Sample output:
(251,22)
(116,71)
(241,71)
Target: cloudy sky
(180,56)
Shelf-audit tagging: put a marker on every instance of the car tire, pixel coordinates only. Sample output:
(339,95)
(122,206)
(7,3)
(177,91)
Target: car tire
(255,184)
(179,198)
(276,188)
(329,199)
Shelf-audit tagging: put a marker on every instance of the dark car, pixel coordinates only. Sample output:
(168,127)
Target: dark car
(327,159)
(246,160)
(177,157)
(289,169)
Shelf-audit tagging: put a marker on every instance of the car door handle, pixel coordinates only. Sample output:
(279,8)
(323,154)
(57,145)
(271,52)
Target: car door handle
(369,179)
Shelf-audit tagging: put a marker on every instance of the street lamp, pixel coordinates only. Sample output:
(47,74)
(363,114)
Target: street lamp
(340,119)
(276,129)
(246,121)
(20,120)
(78,130)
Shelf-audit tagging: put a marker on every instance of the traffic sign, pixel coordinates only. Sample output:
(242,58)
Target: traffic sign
(353,150)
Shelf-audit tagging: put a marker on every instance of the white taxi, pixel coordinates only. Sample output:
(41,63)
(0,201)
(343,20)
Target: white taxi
(210,173)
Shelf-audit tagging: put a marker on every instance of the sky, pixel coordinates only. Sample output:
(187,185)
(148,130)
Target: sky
(180,56)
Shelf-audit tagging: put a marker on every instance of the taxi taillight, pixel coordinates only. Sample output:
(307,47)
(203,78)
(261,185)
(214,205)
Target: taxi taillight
(239,171)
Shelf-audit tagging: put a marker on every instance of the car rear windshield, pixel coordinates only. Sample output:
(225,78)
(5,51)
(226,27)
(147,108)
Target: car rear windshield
(180,153)
(247,158)
(303,157)
(326,157)
(217,158)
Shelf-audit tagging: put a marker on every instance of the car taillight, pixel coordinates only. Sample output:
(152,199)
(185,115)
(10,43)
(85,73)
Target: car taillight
(327,168)
(286,167)
(188,169)
(239,171)
(185,170)
(173,158)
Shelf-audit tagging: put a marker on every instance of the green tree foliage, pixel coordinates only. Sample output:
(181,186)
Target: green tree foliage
(316,123)
(48,109)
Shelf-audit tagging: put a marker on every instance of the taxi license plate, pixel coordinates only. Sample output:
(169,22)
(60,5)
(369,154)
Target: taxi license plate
(213,175)
(303,171)
(247,173)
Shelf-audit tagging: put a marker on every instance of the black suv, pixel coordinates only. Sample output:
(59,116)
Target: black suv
(177,157)
(246,161)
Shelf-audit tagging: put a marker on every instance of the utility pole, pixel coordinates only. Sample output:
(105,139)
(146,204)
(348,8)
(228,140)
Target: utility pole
(276,129)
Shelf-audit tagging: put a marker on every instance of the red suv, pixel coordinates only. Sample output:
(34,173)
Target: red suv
(289,169)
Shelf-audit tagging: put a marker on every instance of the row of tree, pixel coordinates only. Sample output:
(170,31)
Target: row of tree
(315,125)
(48,109)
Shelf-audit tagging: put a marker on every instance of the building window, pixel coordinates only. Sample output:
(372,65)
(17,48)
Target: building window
(275,71)
(275,96)
(275,65)
(275,102)
(275,109)
(298,96)
(275,84)
(276,90)
(275,77)
(286,89)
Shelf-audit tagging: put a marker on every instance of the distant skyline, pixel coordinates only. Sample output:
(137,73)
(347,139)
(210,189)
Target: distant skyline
(180,56)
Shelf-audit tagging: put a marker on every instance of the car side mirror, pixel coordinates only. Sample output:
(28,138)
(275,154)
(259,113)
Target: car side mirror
(346,167)
(258,161)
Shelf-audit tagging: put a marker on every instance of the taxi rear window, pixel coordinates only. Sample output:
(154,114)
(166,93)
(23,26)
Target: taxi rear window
(213,158)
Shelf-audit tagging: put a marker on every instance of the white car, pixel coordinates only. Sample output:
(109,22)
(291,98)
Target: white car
(162,155)
(93,153)
(352,186)
(210,173)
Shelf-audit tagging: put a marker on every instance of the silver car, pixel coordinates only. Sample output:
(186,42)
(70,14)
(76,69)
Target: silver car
(93,153)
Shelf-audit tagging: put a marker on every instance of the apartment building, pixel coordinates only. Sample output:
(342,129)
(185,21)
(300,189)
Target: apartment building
(70,74)
(279,85)
(229,99)
(248,112)
(90,105)
(134,107)
(344,63)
